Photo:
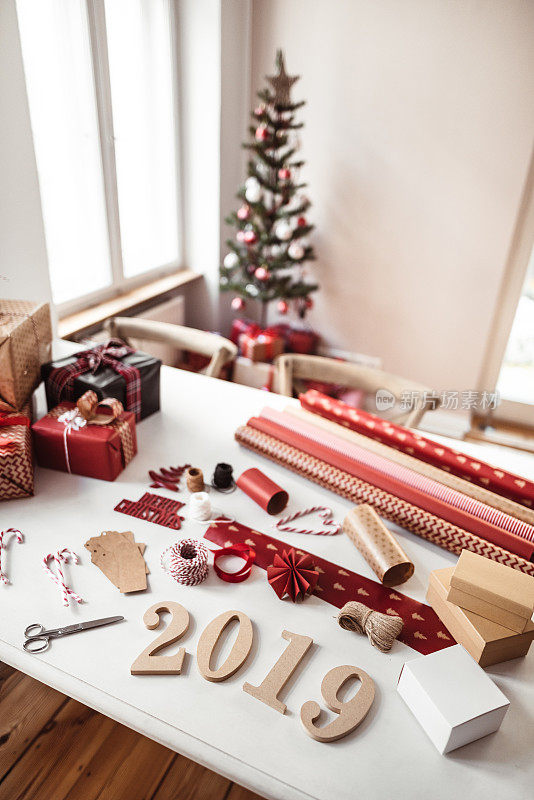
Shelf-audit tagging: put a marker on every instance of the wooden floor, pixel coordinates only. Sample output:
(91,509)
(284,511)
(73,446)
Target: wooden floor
(54,748)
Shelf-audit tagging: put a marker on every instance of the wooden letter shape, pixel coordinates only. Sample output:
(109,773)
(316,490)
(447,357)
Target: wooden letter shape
(276,679)
(350,713)
(148,663)
(239,652)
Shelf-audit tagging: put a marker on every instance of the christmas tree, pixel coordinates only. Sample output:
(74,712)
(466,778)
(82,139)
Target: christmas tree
(265,260)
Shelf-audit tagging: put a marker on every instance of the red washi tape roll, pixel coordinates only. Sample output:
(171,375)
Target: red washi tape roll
(265,492)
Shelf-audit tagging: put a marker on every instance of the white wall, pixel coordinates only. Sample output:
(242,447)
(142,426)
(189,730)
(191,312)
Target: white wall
(23,258)
(419,128)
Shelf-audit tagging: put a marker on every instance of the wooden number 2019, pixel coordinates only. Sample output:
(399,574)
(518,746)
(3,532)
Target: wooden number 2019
(350,713)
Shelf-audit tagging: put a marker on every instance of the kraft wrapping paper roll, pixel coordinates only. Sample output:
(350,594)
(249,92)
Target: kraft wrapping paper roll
(377,545)
(265,492)
(408,516)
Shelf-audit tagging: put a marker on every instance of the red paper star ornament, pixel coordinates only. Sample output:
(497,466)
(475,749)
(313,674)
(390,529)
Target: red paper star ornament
(292,575)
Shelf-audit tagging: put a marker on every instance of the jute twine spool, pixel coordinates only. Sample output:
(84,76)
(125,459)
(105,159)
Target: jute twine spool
(381,629)
(195,480)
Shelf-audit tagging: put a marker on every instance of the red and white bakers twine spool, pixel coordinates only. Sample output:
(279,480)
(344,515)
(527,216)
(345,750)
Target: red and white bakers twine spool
(62,557)
(186,561)
(3,546)
(324,512)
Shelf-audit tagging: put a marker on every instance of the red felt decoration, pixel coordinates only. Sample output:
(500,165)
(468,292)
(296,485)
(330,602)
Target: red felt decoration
(154,508)
(167,478)
(292,575)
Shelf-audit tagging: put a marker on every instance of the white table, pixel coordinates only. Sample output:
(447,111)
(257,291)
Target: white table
(219,725)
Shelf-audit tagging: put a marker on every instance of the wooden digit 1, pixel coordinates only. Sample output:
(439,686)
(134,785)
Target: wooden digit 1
(148,663)
(351,713)
(278,676)
(239,652)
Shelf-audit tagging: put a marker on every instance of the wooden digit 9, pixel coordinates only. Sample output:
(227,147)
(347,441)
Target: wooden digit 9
(147,662)
(351,713)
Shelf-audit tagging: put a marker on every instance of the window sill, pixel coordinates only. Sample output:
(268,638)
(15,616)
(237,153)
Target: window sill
(91,319)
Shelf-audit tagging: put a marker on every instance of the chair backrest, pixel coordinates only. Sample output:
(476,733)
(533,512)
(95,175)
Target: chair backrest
(219,349)
(292,366)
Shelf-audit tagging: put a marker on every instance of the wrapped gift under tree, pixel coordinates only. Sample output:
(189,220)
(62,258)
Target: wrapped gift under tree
(111,370)
(86,438)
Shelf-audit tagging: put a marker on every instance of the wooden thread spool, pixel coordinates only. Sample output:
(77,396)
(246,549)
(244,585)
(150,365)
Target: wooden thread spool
(195,480)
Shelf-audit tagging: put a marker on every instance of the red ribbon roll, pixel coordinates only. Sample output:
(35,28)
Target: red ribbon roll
(240,550)
(265,492)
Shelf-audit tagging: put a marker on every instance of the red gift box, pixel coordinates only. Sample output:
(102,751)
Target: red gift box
(297,340)
(16,457)
(261,345)
(74,437)
(240,326)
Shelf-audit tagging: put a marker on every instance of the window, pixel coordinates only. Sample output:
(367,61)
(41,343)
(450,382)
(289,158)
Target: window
(100,78)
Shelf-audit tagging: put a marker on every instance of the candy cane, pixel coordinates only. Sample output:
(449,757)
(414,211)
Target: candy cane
(325,514)
(60,558)
(20,538)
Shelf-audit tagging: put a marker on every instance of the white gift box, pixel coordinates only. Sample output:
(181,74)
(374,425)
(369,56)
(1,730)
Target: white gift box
(452,697)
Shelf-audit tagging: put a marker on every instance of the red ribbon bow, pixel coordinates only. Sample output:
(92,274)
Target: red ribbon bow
(292,575)
(242,551)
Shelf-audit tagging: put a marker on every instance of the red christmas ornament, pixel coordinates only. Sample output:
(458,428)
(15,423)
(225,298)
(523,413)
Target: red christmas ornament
(282,307)
(262,134)
(308,303)
(250,237)
(292,575)
(238,304)
(262,274)
(301,222)
(284,174)
(259,110)
(243,212)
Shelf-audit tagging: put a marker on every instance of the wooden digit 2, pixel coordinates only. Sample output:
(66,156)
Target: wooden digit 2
(239,652)
(278,676)
(148,663)
(350,713)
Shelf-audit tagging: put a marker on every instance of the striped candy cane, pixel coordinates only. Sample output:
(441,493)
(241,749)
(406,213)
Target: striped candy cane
(60,558)
(3,546)
(324,512)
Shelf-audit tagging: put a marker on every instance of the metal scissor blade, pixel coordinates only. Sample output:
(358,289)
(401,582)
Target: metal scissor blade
(84,626)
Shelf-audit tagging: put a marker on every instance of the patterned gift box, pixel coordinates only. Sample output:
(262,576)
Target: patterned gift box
(16,457)
(25,344)
(75,438)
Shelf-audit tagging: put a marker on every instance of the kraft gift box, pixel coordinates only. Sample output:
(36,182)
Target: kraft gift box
(16,455)
(25,344)
(486,641)
(452,698)
(494,591)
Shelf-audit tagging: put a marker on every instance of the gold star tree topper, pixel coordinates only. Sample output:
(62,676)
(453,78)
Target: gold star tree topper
(282,82)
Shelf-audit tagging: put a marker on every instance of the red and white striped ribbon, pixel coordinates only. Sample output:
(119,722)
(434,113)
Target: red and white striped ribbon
(3,546)
(324,512)
(62,557)
(186,561)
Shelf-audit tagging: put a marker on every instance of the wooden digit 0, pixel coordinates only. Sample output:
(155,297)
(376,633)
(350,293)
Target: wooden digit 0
(239,652)
(147,662)
(278,676)
(351,713)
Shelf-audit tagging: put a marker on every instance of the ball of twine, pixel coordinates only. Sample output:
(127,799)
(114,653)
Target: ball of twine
(186,561)
(381,629)
(195,480)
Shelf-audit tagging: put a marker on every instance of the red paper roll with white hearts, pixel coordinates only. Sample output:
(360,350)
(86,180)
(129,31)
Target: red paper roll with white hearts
(265,492)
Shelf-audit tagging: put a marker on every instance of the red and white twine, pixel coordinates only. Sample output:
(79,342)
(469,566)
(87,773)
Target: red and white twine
(324,512)
(186,561)
(60,558)
(3,546)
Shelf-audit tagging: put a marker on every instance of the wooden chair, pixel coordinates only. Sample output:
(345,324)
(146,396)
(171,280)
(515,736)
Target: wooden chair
(291,367)
(219,349)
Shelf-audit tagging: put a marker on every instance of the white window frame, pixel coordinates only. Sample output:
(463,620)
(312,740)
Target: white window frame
(510,294)
(100,63)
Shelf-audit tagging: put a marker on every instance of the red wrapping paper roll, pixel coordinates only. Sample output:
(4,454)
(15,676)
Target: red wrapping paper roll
(462,519)
(265,492)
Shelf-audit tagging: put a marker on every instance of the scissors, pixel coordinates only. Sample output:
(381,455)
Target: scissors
(36,635)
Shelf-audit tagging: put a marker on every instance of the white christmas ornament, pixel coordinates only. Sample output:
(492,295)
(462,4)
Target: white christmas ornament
(277,250)
(282,230)
(295,251)
(231,260)
(253,190)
